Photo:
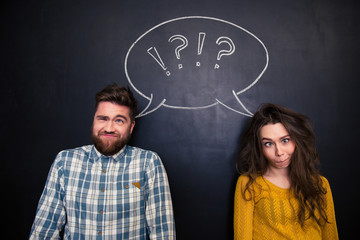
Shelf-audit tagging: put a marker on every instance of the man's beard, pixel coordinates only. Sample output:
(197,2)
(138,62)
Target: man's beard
(109,148)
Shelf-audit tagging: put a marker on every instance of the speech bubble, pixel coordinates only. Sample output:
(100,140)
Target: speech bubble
(195,62)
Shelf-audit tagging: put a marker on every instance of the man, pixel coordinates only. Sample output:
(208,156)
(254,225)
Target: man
(108,190)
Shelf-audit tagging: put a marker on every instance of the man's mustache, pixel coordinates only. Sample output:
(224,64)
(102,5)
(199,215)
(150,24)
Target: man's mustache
(108,133)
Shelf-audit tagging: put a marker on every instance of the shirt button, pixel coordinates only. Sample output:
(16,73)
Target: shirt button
(99,233)
(101,212)
(126,186)
(104,171)
(103,189)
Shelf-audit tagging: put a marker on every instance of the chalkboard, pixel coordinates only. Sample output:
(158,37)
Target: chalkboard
(199,70)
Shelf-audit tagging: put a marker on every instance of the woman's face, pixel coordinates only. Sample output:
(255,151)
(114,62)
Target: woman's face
(277,145)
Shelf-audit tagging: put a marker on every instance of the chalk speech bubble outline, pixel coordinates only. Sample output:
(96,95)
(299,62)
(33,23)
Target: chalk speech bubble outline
(162,103)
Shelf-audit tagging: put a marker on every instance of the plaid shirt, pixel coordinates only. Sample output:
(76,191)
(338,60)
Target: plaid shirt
(125,196)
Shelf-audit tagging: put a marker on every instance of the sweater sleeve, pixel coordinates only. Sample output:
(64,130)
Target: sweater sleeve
(243,212)
(330,229)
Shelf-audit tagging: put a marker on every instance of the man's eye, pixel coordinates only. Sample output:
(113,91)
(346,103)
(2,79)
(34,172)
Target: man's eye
(119,121)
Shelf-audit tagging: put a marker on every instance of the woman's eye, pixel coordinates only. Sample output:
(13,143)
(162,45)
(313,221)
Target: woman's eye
(267,144)
(286,140)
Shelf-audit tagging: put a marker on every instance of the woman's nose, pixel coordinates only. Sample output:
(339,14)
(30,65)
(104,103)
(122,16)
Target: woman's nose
(279,151)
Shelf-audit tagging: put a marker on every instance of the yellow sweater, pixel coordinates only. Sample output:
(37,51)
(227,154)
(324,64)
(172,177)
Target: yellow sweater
(272,214)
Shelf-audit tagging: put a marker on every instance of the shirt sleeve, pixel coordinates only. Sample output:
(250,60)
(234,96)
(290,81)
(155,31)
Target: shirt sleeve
(243,212)
(159,210)
(330,229)
(50,213)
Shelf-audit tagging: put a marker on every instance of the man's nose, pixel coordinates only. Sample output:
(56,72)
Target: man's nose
(109,127)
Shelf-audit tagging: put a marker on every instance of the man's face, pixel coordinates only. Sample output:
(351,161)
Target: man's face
(112,128)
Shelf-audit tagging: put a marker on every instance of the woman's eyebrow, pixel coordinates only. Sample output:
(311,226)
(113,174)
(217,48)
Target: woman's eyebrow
(285,136)
(269,139)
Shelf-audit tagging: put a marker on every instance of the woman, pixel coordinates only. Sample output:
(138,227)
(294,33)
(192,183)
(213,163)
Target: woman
(280,193)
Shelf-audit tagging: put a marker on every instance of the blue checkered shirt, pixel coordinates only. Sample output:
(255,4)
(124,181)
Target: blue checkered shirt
(91,196)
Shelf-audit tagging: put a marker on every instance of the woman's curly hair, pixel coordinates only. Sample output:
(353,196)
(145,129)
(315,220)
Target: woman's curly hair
(306,182)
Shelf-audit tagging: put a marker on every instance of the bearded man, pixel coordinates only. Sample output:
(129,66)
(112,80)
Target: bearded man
(108,190)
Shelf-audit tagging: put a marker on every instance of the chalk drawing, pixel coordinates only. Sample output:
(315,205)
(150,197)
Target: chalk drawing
(248,113)
(153,110)
(228,52)
(154,53)
(180,47)
(202,36)
(201,40)
(227,49)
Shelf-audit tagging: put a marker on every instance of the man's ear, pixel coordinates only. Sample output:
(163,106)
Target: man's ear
(132,126)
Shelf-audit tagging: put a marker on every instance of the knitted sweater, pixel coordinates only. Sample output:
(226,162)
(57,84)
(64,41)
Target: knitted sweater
(272,214)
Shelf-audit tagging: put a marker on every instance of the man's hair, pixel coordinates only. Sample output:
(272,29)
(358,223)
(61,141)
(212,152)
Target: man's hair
(119,95)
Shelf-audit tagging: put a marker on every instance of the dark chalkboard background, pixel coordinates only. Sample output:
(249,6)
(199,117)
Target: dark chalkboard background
(55,55)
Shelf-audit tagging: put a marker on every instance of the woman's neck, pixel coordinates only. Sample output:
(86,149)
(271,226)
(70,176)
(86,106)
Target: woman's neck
(279,177)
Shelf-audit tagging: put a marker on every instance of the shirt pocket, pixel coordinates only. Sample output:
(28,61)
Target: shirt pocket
(131,205)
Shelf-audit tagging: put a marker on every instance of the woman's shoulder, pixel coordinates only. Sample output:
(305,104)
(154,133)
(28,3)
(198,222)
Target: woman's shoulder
(242,180)
(324,182)
(245,178)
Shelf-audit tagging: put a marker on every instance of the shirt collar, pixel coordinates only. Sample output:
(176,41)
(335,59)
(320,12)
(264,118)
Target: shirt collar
(96,155)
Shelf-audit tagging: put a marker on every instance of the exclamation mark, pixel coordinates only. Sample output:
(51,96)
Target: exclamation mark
(154,53)
(200,45)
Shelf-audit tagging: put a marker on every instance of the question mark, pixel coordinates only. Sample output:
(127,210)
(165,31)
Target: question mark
(228,52)
(180,47)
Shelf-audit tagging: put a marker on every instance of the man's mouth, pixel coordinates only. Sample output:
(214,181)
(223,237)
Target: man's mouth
(108,135)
